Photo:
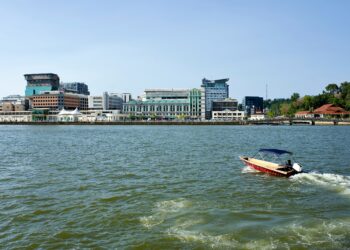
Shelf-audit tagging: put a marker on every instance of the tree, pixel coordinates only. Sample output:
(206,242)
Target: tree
(285,109)
(307,103)
(332,88)
(295,97)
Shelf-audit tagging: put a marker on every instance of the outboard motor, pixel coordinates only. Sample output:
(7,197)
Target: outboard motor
(297,167)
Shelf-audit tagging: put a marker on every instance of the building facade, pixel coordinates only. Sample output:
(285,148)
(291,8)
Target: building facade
(14,103)
(213,90)
(126,97)
(57,100)
(95,102)
(115,102)
(252,104)
(228,115)
(226,104)
(37,83)
(106,101)
(76,87)
(166,104)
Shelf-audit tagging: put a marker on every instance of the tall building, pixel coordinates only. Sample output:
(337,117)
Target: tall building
(166,104)
(37,83)
(252,104)
(213,90)
(76,87)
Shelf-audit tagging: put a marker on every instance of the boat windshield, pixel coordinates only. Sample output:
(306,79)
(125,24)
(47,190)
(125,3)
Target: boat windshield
(278,156)
(274,151)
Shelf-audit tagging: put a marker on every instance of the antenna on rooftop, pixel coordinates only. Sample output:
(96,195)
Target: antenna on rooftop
(266,92)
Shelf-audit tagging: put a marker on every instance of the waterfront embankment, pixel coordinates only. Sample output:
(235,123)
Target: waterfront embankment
(317,122)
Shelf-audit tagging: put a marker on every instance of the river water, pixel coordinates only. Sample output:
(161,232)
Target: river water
(171,187)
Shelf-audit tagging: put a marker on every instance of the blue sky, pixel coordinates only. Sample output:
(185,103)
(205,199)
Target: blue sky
(127,46)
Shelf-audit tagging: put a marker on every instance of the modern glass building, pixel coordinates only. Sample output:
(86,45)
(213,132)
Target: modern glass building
(37,83)
(76,87)
(213,90)
(252,104)
(226,104)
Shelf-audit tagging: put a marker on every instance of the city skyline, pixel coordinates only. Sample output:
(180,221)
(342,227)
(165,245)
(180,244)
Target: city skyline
(127,47)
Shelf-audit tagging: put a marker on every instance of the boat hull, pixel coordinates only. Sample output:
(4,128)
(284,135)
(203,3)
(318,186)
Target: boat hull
(266,170)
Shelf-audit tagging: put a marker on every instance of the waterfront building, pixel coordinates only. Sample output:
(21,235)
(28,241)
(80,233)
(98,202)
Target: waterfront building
(15,116)
(166,104)
(213,90)
(106,101)
(57,100)
(252,104)
(304,114)
(76,87)
(37,83)
(69,116)
(228,115)
(257,117)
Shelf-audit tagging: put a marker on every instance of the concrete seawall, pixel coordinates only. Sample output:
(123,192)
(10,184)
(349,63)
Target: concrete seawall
(194,123)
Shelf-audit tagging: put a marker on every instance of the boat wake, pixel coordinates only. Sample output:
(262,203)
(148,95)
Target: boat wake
(247,169)
(164,210)
(339,183)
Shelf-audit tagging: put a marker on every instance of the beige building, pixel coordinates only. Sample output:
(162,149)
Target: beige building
(15,116)
(228,115)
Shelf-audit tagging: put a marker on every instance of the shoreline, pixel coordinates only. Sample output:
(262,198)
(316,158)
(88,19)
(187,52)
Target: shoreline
(186,123)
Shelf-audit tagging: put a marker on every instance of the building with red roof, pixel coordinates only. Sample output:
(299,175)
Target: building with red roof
(325,111)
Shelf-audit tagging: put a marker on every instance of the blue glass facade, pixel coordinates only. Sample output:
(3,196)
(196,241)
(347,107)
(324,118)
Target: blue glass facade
(214,90)
(35,90)
(37,83)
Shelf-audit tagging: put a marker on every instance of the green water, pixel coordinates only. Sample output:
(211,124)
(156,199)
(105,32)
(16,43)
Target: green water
(171,187)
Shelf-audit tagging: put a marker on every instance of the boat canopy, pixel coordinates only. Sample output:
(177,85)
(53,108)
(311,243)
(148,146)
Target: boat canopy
(275,151)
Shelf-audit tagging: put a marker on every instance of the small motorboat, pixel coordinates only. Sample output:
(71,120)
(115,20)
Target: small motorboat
(278,166)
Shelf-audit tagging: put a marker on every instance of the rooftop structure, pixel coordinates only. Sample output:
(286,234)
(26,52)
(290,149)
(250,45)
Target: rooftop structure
(166,94)
(126,97)
(330,109)
(37,83)
(76,87)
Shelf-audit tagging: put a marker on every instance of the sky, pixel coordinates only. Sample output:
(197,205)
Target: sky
(128,46)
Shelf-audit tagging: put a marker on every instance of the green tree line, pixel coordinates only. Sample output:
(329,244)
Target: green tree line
(337,94)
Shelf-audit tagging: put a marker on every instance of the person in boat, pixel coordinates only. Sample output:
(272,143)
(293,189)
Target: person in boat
(289,163)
